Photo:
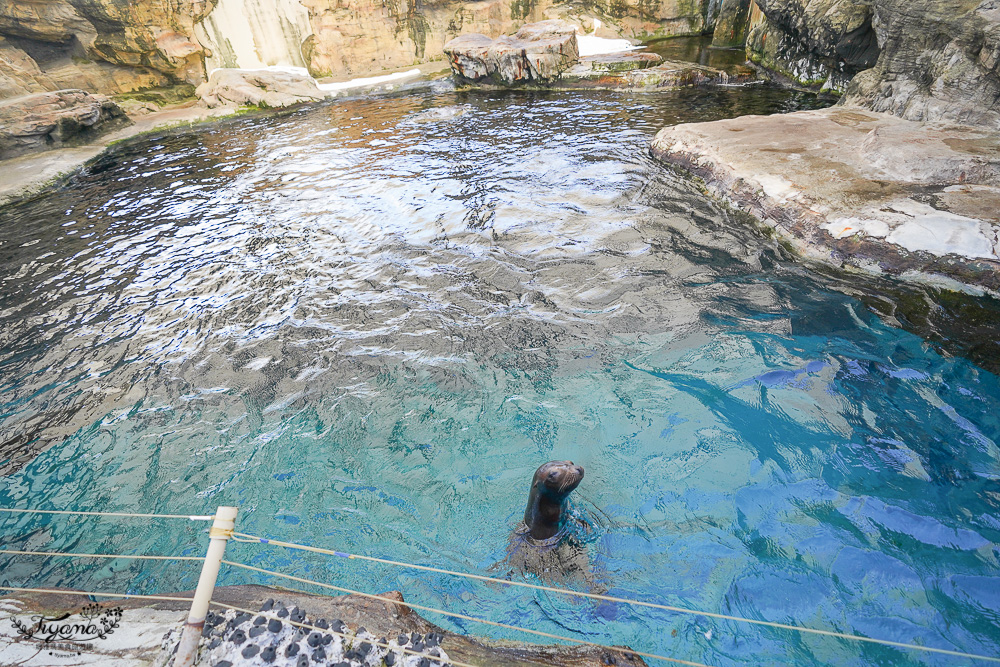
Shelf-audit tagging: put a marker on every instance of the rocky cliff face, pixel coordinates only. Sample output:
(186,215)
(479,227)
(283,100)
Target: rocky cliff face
(115,46)
(107,46)
(940,61)
(359,36)
(918,59)
(819,43)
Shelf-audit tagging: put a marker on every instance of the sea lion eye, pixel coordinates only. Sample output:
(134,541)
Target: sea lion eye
(552,475)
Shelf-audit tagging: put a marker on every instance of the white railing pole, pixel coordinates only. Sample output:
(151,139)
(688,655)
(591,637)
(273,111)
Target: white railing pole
(222,530)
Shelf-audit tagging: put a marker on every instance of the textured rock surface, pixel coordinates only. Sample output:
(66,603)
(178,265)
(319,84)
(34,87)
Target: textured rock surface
(115,46)
(265,88)
(360,36)
(537,53)
(138,641)
(940,61)
(666,75)
(107,46)
(732,25)
(921,60)
(855,187)
(821,43)
(49,120)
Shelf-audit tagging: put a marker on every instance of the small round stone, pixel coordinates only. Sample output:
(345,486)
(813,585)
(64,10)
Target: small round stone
(390,659)
(402,640)
(303,661)
(282,613)
(238,637)
(268,654)
(250,651)
(214,643)
(260,620)
(424,662)
(268,605)
(292,650)
(315,639)
(319,655)
(322,624)
(364,648)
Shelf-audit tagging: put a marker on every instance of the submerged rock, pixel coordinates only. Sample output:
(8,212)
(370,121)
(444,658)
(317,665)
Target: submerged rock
(48,120)
(265,88)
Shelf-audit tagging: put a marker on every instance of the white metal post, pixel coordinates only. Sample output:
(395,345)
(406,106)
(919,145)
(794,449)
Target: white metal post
(222,530)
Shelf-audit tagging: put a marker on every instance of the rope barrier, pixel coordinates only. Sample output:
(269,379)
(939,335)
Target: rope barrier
(608,598)
(77,555)
(339,634)
(107,595)
(618,649)
(189,517)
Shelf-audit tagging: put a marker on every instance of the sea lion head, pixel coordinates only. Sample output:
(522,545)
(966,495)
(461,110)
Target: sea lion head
(557,479)
(545,515)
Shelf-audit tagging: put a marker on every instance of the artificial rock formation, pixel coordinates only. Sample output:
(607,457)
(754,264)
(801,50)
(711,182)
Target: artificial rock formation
(108,46)
(262,88)
(939,61)
(46,120)
(537,53)
(924,60)
(821,43)
(119,46)
(856,187)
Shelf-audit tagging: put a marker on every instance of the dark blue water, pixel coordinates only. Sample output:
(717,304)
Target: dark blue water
(366,325)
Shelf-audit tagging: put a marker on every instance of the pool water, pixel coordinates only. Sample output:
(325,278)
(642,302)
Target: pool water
(367,323)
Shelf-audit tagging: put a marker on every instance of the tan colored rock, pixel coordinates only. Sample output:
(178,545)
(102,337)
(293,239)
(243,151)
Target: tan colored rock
(469,55)
(855,187)
(537,53)
(265,88)
(106,46)
(356,37)
(48,120)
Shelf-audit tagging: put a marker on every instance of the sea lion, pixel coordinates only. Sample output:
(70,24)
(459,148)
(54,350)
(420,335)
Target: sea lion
(544,544)
(545,515)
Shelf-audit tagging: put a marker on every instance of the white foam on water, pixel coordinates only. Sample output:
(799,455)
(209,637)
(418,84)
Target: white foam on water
(590,45)
(369,81)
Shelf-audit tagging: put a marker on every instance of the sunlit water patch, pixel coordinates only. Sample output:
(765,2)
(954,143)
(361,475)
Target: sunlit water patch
(367,323)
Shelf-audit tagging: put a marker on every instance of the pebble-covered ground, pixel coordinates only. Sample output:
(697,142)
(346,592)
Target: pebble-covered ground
(270,639)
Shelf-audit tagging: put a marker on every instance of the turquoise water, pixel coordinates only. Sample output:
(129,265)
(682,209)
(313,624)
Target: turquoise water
(366,325)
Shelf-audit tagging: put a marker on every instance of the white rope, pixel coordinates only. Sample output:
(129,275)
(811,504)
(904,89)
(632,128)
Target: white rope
(77,555)
(106,595)
(609,598)
(618,649)
(189,517)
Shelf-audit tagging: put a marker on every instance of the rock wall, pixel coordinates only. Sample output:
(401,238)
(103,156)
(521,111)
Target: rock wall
(940,61)
(815,43)
(107,46)
(358,36)
(254,33)
(118,46)
(935,60)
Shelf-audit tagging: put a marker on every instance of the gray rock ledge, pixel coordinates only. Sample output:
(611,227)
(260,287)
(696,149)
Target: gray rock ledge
(857,188)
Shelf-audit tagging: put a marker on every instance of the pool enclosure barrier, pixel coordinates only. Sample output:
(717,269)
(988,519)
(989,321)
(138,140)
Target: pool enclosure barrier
(223,529)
